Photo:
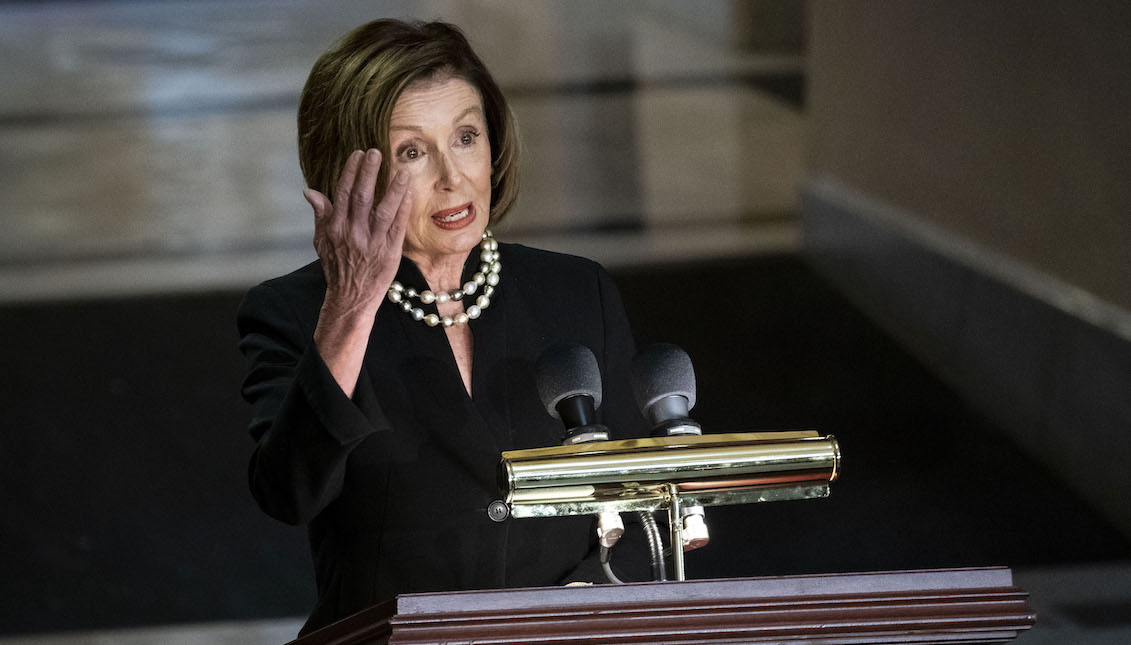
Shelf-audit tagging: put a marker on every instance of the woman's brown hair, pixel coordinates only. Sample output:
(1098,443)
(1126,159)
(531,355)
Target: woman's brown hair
(349,98)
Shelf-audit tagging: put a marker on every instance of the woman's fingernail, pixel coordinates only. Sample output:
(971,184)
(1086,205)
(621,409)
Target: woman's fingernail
(372,155)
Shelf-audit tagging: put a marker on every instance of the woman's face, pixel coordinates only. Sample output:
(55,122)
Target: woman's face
(438,134)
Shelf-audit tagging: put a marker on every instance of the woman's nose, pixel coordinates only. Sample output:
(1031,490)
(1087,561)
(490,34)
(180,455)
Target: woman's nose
(448,175)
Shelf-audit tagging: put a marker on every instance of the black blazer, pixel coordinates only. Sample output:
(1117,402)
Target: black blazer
(394,484)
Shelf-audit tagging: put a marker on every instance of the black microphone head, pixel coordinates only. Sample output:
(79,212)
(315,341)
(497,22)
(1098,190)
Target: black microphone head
(660,371)
(564,370)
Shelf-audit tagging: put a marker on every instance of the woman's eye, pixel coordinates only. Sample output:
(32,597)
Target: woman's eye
(468,138)
(409,153)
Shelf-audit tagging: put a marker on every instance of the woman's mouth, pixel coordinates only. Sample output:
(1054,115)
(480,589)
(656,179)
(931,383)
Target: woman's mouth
(455,218)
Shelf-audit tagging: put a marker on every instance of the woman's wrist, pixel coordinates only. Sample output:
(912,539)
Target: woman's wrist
(341,338)
(349,308)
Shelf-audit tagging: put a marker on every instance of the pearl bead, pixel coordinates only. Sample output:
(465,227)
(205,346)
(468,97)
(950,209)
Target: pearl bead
(492,279)
(427,297)
(396,286)
(496,266)
(486,256)
(461,319)
(489,291)
(411,293)
(406,305)
(480,278)
(431,320)
(417,313)
(443,297)
(457,294)
(492,245)
(485,267)
(394,296)
(473,312)
(447,320)
(470,286)
(483,302)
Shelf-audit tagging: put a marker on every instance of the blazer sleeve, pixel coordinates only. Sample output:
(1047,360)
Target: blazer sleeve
(304,424)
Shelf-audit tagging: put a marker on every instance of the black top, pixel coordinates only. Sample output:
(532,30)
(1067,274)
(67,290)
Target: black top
(394,484)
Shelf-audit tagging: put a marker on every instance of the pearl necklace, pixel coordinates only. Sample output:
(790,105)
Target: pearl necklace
(487,277)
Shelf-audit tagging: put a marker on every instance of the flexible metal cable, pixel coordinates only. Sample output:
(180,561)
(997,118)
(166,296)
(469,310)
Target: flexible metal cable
(655,545)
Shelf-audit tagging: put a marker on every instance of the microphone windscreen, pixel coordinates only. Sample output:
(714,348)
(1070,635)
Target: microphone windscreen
(662,370)
(564,370)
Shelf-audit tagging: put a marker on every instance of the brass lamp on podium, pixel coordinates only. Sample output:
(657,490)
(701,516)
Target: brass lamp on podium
(668,473)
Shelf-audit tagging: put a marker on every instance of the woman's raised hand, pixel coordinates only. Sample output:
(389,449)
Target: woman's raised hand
(358,242)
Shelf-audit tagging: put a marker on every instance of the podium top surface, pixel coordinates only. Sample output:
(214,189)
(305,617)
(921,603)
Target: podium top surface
(920,606)
(657,592)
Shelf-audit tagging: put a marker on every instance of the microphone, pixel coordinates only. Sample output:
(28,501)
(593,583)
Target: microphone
(663,381)
(569,384)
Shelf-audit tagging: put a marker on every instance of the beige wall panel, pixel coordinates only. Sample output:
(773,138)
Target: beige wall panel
(1006,123)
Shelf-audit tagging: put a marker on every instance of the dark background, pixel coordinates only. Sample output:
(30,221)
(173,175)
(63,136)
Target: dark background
(123,457)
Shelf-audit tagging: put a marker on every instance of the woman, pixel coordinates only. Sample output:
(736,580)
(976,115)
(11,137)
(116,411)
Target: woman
(387,377)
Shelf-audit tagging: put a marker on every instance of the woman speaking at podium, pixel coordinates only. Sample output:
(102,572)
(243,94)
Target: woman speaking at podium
(387,376)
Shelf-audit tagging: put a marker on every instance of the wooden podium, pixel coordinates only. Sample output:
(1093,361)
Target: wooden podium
(932,606)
